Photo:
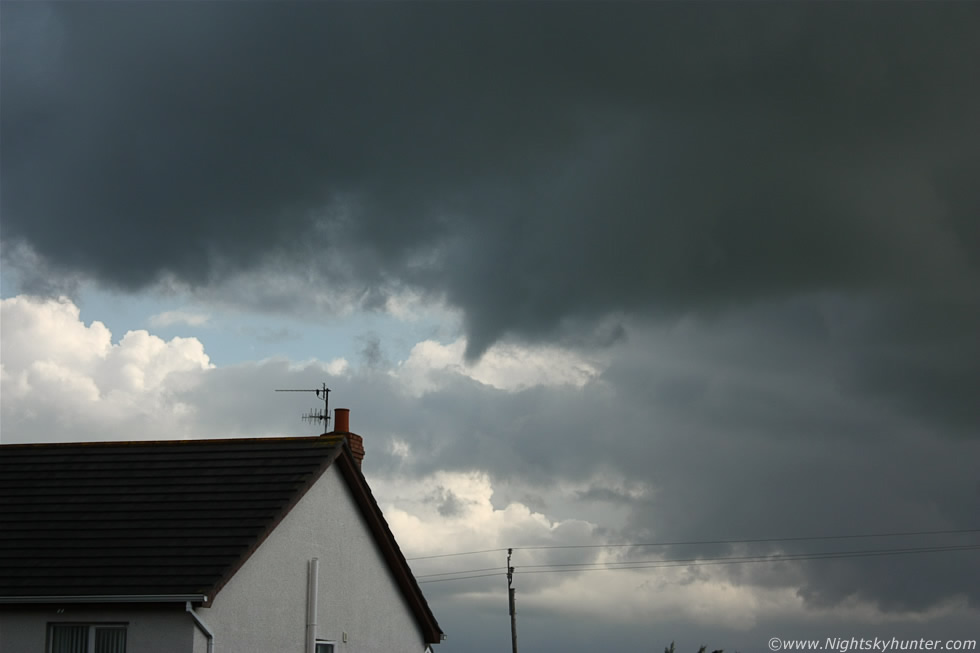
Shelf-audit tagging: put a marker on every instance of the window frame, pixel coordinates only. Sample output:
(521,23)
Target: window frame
(92,627)
(325,642)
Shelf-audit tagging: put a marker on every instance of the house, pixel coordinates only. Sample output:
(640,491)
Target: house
(202,546)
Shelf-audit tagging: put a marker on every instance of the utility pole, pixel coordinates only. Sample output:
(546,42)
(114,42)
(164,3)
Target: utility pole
(510,601)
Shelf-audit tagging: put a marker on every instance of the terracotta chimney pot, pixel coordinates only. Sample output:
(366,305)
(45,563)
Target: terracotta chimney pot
(341,425)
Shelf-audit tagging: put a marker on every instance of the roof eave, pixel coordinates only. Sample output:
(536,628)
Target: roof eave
(104,598)
(431,631)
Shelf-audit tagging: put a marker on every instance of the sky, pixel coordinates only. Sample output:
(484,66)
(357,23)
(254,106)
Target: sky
(700,275)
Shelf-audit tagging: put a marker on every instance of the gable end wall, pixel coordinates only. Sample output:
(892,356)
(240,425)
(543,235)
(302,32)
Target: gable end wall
(263,606)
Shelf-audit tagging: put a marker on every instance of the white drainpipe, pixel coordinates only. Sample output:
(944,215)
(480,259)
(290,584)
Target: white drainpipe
(203,626)
(311,600)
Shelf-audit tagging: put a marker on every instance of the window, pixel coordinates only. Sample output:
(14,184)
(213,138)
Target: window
(324,647)
(86,638)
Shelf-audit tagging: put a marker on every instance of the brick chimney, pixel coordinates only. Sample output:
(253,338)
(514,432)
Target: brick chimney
(341,426)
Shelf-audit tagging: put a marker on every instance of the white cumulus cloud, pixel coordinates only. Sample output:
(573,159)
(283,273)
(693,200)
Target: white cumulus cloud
(431,364)
(61,376)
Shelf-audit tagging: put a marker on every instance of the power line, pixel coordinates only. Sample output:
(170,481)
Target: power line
(468,571)
(443,580)
(698,542)
(773,556)
(686,562)
(461,553)
(693,562)
(748,541)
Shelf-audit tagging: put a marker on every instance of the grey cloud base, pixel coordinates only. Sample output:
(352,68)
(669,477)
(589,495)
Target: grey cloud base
(535,165)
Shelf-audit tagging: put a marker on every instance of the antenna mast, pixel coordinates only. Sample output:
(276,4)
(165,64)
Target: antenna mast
(317,415)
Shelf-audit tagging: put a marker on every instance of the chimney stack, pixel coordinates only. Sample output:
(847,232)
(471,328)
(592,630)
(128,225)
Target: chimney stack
(341,426)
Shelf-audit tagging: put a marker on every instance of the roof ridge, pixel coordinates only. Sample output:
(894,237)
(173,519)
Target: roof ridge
(190,441)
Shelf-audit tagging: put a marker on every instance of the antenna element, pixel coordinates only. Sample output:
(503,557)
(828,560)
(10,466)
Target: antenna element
(317,415)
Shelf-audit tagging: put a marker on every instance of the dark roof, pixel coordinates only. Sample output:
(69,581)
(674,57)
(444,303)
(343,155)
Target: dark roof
(166,519)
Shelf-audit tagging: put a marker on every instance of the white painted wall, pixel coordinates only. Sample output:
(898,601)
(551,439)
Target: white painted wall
(149,630)
(263,607)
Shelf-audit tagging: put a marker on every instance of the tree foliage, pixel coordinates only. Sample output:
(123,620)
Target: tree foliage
(703,649)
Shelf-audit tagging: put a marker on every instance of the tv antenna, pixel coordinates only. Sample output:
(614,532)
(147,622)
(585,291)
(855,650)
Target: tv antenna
(316,415)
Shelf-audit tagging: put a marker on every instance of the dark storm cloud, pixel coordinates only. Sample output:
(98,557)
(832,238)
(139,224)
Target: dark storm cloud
(793,185)
(538,165)
(753,425)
